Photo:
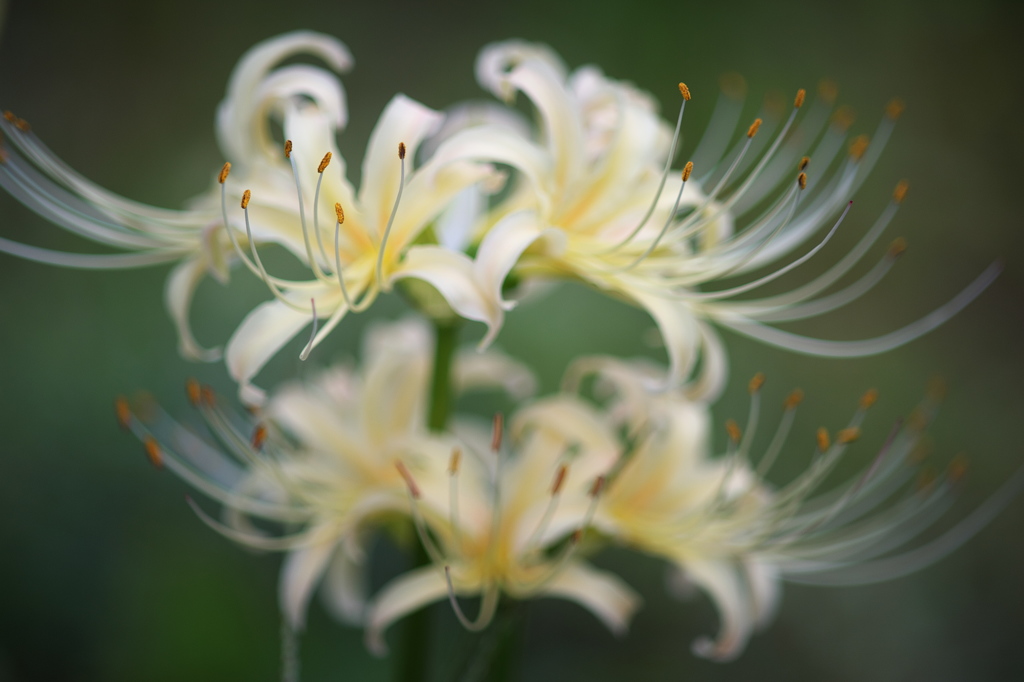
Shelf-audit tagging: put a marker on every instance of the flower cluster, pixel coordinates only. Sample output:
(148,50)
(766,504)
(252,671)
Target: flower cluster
(465,211)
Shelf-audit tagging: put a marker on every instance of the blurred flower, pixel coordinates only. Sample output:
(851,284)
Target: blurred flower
(595,200)
(727,530)
(320,460)
(512,522)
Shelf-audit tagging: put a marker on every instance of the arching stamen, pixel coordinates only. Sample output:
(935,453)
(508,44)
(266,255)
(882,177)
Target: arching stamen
(779,439)
(316,204)
(262,271)
(685,92)
(549,511)
(309,345)
(488,604)
(668,221)
(314,266)
(417,515)
(391,219)
(754,389)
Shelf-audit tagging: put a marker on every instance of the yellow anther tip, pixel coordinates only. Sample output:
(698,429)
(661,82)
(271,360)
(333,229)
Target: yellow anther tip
(858,147)
(869,398)
(848,435)
(798,102)
(794,398)
(733,429)
(323,164)
(900,193)
(339,212)
(687,170)
(823,439)
(754,127)
(894,109)
(684,91)
(287,149)
(897,248)
(802,180)
(246,196)
(401,150)
(804,162)
(224,171)
(756,383)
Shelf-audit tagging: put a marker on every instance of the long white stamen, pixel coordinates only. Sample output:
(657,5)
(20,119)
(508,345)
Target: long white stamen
(259,263)
(779,439)
(685,92)
(488,605)
(391,219)
(316,206)
(668,220)
(413,490)
(309,345)
(290,155)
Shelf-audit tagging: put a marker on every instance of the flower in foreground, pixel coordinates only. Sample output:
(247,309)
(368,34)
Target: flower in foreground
(512,523)
(729,531)
(595,200)
(285,190)
(320,460)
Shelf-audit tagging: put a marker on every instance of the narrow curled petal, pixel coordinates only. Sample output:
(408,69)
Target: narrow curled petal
(604,594)
(178,291)
(501,248)
(262,333)
(241,120)
(301,572)
(344,588)
(495,60)
(723,583)
(402,596)
(679,331)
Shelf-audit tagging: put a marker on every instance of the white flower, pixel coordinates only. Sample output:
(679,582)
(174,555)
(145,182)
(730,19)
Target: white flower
(362,248)
(512,521)
(320,461)
(736,536)
(595,200)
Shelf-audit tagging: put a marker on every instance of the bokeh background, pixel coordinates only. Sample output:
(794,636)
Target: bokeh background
(105,574)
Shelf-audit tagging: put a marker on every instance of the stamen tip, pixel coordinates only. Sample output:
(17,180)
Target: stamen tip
(406,475)
(340,213)
(900,193)
(323,163)
(684,91)
(848,435)
(733,429)
(802,180)
(156,457)
(894,109)
(794,398)
(454,461)
(804,162)
(598,486)
(897,248)
(798,102)
(497,431)
(246,196)
(224,171)
(869,398)
(401,150)
(858,147)
(124,413)
(556,487)
(259,436)
(752,130)
(687,169)
(193,391)
(287,149)
(756,383)
(843,118)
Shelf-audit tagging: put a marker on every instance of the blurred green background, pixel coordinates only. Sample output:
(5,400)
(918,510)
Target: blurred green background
(105,574)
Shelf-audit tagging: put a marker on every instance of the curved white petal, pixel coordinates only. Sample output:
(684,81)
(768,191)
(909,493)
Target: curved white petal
(178,291)
(262,333)
(495,60)
(301,571)
(345,588)
(604,594)
(241,123)
(499,251)
(724,584)
(454,277)
(678,329)
(493,369)
(401,596)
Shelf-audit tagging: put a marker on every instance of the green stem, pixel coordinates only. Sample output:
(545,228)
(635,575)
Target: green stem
(414,662)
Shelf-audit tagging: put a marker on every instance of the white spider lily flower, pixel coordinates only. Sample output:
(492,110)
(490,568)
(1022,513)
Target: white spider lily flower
(193,238)
(358,251)
(318,462)
(595,200)
(727,530)
(512,522)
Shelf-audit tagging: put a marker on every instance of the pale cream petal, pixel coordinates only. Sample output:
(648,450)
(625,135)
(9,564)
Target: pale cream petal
(722,581)
(493,369)
(178,291)
(242,127)
(679,331)
(345,588)
(454,277)
(312,134)
(604,594)
(403,120)
(765,589)
(262,333)
(403,595)
(301,572)
(500,250)
(496,59)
